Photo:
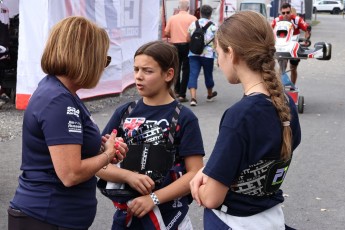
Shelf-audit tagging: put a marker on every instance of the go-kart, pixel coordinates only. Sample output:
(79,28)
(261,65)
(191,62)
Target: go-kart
(289,46)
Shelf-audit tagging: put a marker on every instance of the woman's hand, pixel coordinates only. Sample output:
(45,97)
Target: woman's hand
(120,146)
(199,179)
(140,206)
(141,183)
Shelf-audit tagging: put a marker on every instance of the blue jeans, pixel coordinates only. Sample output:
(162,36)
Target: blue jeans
(195,64)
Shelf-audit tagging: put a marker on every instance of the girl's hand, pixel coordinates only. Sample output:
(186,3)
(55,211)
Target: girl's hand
(140,206)
(141,183)
(198,180)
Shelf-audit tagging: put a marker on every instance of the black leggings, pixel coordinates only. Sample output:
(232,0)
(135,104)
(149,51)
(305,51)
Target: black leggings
(18,220)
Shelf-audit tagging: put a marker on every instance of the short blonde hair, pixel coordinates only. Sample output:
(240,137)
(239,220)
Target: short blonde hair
(76,48)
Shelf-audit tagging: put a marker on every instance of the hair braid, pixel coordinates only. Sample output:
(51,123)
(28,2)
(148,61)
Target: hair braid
(275,88)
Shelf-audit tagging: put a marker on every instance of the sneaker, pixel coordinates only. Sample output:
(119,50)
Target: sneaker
(182,99)
(193,102)
(211,98)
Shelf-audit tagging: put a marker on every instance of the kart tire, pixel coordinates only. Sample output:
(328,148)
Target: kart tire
(330,53)
(300,105)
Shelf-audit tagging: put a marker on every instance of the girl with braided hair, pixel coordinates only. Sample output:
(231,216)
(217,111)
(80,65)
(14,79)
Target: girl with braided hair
(239,186)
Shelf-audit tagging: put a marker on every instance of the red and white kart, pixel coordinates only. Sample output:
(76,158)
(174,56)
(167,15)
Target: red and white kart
(289,46)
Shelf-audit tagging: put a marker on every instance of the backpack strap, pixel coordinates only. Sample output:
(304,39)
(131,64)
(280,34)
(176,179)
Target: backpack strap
(197,25)
(173,125)
(130,108)
(208,24)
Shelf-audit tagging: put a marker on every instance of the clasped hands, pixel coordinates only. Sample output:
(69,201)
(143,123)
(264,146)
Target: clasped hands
(115,145)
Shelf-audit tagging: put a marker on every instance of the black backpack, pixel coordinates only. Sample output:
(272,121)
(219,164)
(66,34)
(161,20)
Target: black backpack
(197,40)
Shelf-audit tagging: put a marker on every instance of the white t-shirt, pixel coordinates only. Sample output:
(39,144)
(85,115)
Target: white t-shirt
(298,5)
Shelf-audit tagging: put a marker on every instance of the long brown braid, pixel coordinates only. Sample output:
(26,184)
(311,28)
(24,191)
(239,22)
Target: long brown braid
(251,37)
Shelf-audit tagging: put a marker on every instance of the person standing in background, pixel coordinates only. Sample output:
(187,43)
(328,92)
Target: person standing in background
(177,29)
(4,30)
(205,59)
(298,5)
(4,47)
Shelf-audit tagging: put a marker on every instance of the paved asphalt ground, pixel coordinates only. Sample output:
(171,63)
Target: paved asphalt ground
(314,186)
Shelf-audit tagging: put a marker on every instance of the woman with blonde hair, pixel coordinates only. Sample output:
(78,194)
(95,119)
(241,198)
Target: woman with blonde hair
(239,186)
(62,146)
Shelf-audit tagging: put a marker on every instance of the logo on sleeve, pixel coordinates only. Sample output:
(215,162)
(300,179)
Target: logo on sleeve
(74,127)
(72,111)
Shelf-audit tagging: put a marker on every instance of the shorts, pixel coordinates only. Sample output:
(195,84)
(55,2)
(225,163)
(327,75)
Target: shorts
(294,61)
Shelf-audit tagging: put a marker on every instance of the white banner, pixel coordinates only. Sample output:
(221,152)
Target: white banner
(129,23)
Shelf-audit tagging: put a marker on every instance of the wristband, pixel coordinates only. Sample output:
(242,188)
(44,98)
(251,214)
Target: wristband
(154,198)
(106,166)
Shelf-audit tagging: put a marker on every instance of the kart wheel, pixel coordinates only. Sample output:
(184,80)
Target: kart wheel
(300,105)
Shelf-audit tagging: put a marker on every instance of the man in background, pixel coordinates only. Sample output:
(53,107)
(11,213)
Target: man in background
(299,24)
(177,29)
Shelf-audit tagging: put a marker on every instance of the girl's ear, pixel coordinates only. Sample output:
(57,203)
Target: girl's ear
(169,75)
(231,55)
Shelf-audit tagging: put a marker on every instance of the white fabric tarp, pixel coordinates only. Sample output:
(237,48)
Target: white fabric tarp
(129,24)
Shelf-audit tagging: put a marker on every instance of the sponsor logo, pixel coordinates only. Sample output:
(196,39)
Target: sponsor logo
(72,111)
(280,175)
(125,19)
(172,222)
(144,157)
(74,127)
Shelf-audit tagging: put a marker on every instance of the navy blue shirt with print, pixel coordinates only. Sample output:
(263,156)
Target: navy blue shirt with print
(54,117)
(249,131)
(150,124)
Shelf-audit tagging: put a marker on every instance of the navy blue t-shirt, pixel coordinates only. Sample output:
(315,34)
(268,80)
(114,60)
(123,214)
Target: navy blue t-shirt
(54,117)
(249,131)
